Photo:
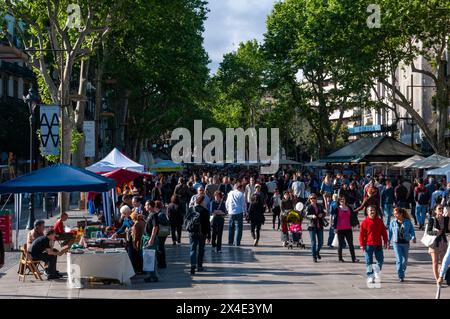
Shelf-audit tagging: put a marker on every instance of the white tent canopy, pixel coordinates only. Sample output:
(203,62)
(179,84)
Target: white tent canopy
(114,160)
(432,161)
(445,170)
(407,163)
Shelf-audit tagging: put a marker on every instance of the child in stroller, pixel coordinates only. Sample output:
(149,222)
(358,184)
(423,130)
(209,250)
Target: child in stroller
(294,220)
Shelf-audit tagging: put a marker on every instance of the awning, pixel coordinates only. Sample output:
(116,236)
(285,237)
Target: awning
(407,163)
(432,161)
(372,149)
(114,160)
(58,178)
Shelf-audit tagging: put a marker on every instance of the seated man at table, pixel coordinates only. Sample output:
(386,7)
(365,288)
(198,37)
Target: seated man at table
(36,232)
(41,250)
(61,234)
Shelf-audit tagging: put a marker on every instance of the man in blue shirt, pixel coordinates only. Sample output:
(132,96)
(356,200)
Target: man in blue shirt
(236,206)
(200,191)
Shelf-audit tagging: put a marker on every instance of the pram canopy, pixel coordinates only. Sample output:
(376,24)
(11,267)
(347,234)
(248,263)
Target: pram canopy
(294,218)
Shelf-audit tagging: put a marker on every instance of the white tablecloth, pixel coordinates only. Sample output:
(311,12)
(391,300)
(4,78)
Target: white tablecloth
(105,265)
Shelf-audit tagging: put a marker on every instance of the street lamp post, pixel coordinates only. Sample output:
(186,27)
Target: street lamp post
(32,100)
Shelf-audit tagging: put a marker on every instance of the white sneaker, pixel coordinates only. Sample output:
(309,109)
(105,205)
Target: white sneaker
(377,275)
(370,280)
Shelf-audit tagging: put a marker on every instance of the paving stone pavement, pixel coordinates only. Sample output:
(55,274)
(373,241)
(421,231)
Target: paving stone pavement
(268,271)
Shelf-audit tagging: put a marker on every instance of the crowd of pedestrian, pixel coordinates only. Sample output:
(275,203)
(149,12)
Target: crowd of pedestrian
(387,212)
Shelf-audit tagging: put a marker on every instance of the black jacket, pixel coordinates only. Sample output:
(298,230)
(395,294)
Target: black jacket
(204,220)
(256,209)
(175,213)
(315,223)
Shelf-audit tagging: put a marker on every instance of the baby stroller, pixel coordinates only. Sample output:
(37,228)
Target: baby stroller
(295,230)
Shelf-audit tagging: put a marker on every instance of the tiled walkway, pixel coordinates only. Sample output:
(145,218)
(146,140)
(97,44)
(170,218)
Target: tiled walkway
(266,271)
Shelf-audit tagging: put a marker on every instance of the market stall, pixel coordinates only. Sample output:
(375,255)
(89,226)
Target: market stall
(58,178)
(407,163)
(441,171)
(115,160)
(111,264)
(432,161)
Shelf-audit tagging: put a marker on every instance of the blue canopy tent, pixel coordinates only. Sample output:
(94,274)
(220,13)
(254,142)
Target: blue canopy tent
(59,178)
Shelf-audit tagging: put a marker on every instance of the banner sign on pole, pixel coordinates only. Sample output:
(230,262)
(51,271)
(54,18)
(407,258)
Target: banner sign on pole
(89,138)
(49,127)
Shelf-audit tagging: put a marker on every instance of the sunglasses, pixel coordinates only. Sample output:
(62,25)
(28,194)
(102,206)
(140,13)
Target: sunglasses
(313,198)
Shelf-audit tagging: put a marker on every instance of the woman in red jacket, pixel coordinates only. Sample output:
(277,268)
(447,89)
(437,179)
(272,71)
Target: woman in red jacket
(372,237)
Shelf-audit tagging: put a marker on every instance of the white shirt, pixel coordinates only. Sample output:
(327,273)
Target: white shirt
(249,191)
(299,189)
(235,203)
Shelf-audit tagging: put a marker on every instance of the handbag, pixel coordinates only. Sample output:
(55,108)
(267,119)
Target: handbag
(164,231)
(149,260)
(335,242)
(428,240)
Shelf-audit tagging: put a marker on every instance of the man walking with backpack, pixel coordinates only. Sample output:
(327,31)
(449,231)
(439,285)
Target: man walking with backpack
(199,228)
(422,199)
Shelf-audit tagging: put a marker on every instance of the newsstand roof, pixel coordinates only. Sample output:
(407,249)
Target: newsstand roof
(372,149)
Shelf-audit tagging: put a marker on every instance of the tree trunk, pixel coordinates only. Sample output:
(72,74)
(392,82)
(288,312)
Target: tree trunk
(78,156)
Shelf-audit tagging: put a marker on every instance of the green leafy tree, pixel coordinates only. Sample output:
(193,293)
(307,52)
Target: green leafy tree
(159,60)
(306,70)
(239,85)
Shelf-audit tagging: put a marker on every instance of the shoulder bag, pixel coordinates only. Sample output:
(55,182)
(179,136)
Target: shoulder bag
(428,240)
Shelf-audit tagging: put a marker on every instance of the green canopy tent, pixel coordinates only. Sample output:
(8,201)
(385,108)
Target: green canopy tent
(381,149)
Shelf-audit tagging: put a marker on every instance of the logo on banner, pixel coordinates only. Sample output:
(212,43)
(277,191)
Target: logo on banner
(49,127)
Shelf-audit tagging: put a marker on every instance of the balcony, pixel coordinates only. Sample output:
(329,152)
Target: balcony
(15,69)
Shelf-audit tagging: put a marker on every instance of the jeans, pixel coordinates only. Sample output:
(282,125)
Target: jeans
(401,257)
(316,240)
(369,251)
(330,236)
(217,231)
(51,262)
(343,235)
(161,252)
(255,229)
(235,229)
(413,212)
(387,209)
(197,242)
(421,213)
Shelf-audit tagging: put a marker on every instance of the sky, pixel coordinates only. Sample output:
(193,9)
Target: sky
(231,22)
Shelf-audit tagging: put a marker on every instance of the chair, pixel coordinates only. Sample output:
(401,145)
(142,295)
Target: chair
(28,266)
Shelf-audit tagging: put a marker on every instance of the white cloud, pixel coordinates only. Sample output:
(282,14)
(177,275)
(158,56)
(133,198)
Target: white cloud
(231,22)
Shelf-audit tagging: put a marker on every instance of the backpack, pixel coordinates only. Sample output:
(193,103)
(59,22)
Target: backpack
(423,197)
(192,222)
(164,225)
